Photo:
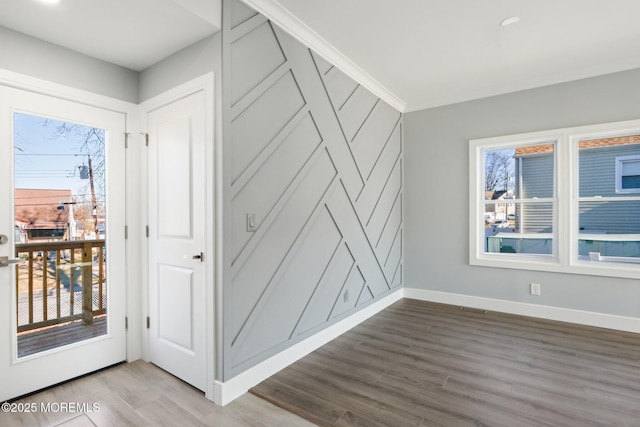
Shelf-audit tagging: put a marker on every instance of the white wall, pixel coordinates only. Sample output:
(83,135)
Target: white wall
(33,57)
(436,186)
(36,58)
(193,61)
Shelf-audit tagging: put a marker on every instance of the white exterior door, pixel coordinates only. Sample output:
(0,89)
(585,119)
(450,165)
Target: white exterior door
(56,271)
(177,134)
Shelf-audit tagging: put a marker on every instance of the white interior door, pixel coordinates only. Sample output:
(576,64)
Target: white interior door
(70,276)
(177,238)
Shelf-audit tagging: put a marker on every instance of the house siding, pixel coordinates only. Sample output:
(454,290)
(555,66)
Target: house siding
(610,217)
(536,181)
(598,166)
(599,179)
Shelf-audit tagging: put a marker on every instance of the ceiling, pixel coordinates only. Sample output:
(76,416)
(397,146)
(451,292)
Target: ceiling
(131,33)
(436,52)
(425,52)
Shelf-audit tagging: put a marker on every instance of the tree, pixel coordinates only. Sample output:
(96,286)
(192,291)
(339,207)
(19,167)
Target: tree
(83,214)
(92,144)
(498,169)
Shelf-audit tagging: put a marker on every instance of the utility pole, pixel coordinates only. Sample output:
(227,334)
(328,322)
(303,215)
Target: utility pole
(94,204)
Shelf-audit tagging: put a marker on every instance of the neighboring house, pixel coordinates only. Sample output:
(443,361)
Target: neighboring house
(42,215)
(21,231)
(534,179)
(612,169)
(609,168)
(498,210)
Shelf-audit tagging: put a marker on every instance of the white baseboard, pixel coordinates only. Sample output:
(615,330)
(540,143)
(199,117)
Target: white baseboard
(225,392)
(589,318)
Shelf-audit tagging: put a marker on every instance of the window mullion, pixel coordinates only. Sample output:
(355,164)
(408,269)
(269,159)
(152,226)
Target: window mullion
(569,202)
(555,211)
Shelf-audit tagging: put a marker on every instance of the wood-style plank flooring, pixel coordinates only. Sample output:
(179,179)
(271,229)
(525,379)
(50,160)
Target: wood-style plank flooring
(425,364)
(414,364)
(140,394)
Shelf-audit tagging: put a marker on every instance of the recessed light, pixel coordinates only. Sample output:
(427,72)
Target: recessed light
(509,21)
(50,1)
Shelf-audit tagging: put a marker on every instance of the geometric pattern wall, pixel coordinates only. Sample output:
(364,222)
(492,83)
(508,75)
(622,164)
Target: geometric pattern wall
(316,159)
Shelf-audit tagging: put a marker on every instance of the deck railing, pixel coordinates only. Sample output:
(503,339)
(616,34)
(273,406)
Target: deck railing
(58,282)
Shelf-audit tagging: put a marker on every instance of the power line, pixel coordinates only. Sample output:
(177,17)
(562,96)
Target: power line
(52,196)
(49,154)
(54,204)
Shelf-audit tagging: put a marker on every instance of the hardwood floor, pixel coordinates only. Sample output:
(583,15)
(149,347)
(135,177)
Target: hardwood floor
(140,394)
(425,364)
(414,364)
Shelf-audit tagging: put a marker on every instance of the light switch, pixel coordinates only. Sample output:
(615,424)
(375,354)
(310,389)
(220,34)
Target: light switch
(251,222)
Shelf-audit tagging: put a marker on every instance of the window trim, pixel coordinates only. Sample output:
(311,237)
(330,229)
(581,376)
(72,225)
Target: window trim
(565,251)
(620,160)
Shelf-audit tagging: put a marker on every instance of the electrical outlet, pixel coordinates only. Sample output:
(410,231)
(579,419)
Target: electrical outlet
(535,288)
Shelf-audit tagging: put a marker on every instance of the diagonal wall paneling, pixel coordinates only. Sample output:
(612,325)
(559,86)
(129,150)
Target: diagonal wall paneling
(240,14)
(316,161)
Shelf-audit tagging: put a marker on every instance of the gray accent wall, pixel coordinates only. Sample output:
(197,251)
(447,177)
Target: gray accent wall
(316,160)
(36,58)
(436,156)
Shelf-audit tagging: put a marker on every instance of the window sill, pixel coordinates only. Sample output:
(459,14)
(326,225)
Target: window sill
(619,267)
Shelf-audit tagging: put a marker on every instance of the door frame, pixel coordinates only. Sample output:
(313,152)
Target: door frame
(129,110)
(213,184)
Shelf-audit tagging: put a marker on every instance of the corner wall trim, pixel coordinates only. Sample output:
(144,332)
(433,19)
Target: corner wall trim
(275,12)
(588,318)
(225,392)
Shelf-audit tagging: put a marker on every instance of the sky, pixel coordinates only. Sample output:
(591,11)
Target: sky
(44,159)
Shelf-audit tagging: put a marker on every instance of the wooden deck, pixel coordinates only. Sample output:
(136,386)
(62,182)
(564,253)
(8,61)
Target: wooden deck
(59,282)
(46,338)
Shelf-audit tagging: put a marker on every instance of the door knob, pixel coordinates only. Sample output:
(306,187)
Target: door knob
(5,261)
(199,256)
(3,239)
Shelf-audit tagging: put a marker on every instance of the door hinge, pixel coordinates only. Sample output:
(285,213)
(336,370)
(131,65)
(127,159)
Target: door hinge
(126,231)
(146,138)
(126,139)
(148,322)
(126,323)
(147,230)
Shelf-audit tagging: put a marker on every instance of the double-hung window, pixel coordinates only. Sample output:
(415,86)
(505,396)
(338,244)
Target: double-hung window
(565,200)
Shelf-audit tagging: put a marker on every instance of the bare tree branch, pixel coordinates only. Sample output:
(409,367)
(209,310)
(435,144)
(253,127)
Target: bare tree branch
(93,144)
(498,169)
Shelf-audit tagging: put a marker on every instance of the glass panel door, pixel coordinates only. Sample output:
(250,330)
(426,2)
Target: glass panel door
(62,183)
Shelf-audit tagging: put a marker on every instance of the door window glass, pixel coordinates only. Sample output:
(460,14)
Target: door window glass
(60,228)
